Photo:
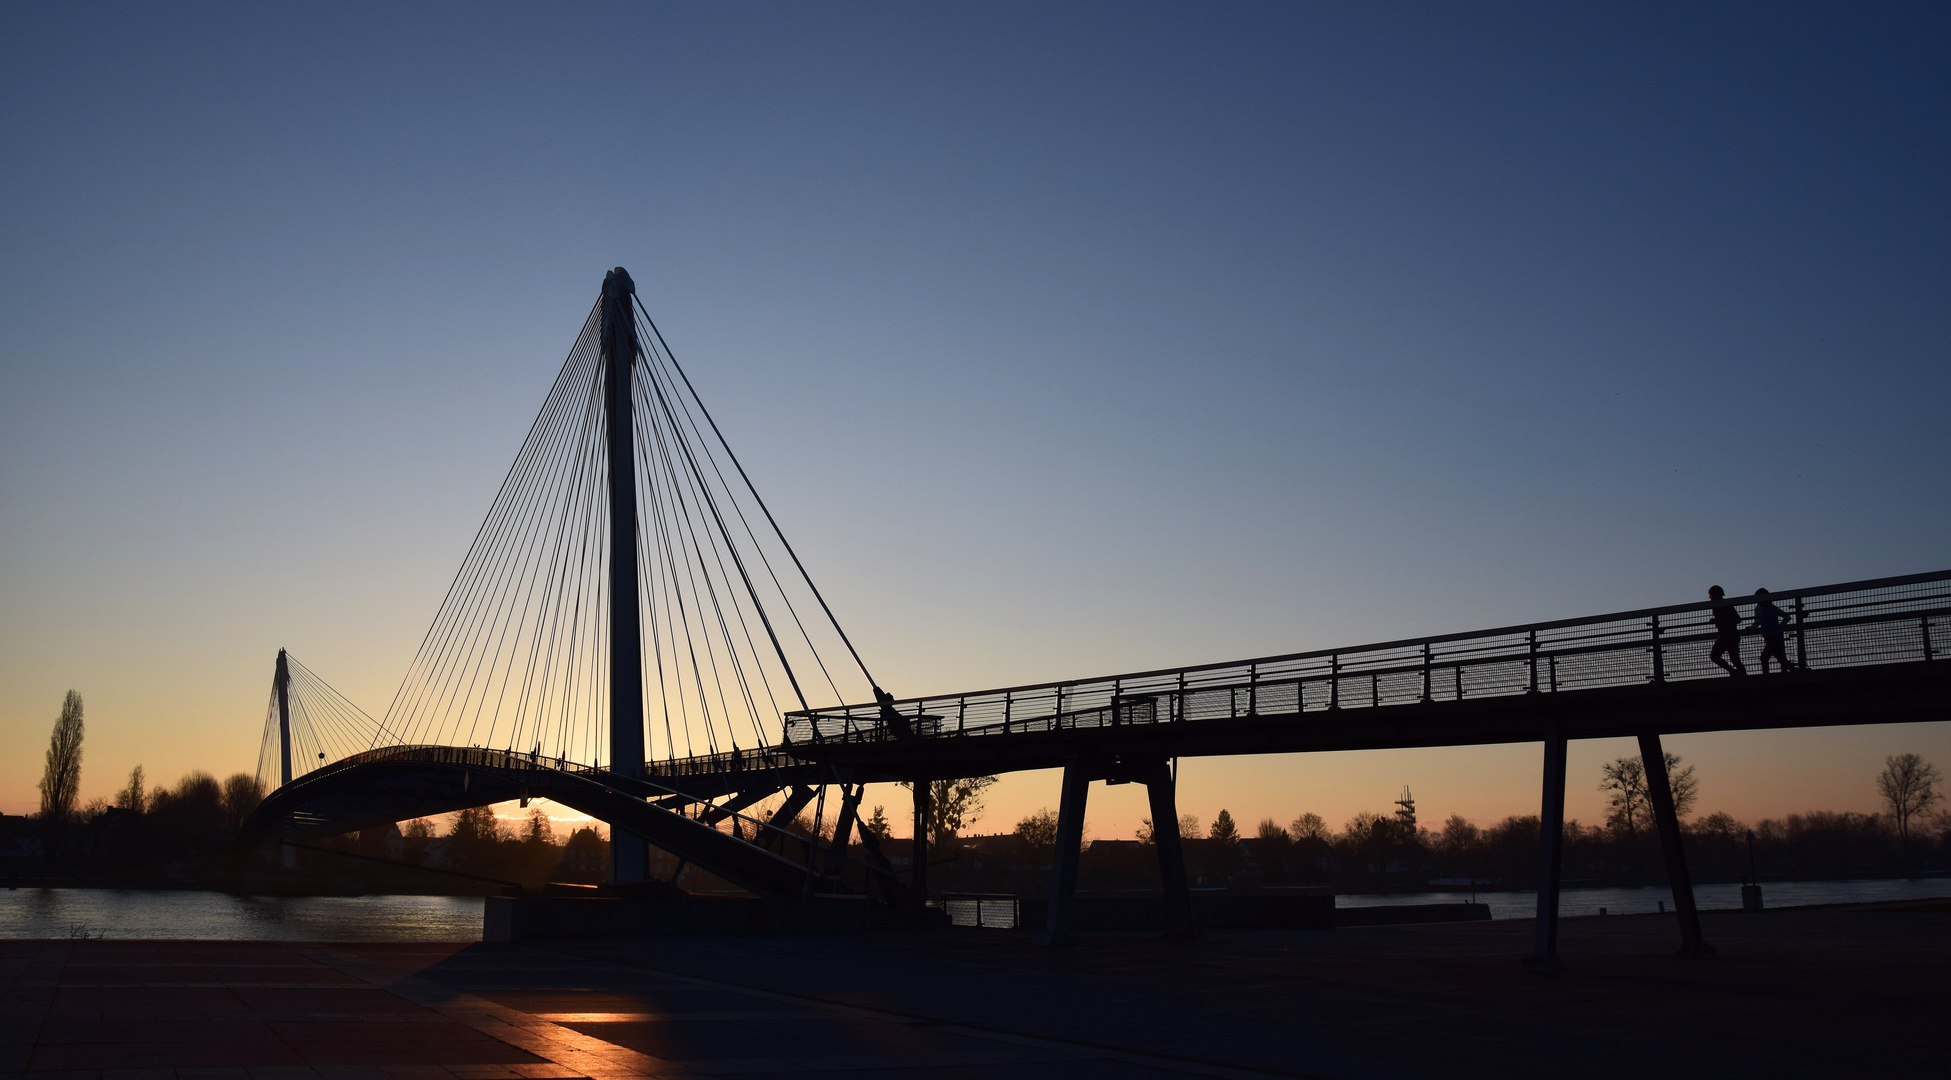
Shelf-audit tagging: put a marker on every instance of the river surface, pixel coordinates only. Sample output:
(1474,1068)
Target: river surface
(1636,900)
(150,914)
(161,913)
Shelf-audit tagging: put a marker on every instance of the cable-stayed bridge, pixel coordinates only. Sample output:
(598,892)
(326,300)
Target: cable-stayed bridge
(628,567)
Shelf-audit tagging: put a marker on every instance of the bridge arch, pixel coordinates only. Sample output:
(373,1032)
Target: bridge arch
(397,783)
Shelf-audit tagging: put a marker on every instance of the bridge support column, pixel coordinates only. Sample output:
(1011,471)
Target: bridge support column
(1162,790)
(843,828)
(1060,912)
(772,836)
(1659,789)
(1551,856)
(919,848)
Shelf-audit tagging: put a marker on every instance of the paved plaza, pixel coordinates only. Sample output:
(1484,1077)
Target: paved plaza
(1821,992)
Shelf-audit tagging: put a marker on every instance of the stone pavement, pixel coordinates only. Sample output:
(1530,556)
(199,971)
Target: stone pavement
(1820,992)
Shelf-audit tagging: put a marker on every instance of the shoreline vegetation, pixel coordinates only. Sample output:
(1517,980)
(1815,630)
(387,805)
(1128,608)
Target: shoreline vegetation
(188,836)
(185,837)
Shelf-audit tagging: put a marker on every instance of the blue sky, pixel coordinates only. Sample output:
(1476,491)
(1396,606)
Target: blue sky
(1064,339)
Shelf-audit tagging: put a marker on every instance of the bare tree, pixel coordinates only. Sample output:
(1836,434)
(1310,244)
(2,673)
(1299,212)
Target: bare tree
(953,804)
(1686,786)
(1309,827)
(1629,804)
(61,782)
(1364,826)
(1624,782)
(1458,835)
(1188,828)
(1039,830)
(1908,785)
(133,796)
(242,793)
(1271,833)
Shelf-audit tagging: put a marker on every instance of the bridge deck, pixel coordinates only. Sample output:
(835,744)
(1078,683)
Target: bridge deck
(1868,649)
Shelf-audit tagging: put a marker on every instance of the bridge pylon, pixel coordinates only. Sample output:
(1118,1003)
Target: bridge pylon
(629,853)
(281,685)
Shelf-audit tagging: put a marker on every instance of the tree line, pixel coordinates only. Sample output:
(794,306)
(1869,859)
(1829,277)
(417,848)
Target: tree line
(1383,850)
(188,828)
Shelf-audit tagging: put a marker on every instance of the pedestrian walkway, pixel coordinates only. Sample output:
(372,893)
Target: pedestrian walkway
(1835,992)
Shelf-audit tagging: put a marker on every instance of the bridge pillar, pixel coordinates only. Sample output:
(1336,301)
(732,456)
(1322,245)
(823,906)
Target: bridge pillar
(1551,856)
(1060,911)
(1659,789)
(1162,791)
(919,849)
(843,827)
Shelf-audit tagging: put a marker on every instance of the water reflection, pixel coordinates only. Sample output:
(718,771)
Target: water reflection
(145,914)
(1634,901)
(154,914)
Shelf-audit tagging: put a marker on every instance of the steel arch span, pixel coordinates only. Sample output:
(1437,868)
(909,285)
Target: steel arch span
(396,783)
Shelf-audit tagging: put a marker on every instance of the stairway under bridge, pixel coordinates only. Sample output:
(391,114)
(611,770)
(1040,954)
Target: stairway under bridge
(629,568)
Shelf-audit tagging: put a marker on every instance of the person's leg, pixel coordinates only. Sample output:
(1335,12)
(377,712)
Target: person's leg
(1728,645)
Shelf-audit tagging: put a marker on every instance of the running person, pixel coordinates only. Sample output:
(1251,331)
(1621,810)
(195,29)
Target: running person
(1727,634)
(1768,619)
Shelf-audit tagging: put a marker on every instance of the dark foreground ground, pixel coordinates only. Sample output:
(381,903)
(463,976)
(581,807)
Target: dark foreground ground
(1824,992)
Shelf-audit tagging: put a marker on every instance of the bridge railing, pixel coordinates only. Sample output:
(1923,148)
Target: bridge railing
(1883,621)
(724,763)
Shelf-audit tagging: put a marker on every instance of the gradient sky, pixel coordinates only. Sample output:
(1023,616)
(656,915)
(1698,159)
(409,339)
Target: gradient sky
(1064,339)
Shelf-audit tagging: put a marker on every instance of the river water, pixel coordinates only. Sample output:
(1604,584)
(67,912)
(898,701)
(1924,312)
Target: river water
(1633,901)
(151,914)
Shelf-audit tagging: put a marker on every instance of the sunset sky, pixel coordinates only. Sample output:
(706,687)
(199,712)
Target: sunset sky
(1063,339)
